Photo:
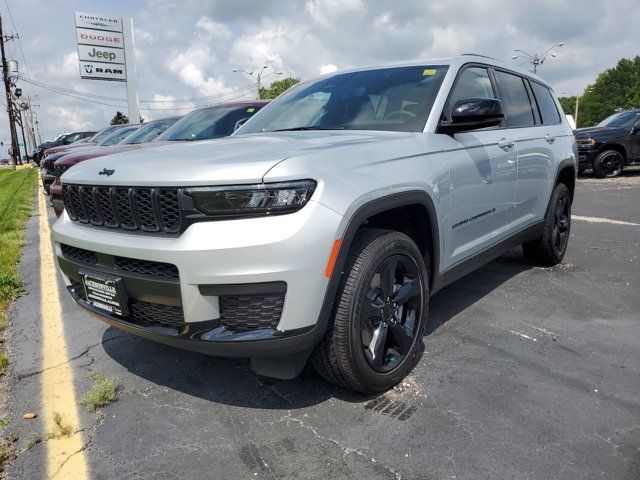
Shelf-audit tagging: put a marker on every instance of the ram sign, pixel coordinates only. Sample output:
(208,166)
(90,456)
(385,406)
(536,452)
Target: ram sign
(101,47)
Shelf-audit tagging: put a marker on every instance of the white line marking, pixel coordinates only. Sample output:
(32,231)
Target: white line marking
(603,220)
(523,335)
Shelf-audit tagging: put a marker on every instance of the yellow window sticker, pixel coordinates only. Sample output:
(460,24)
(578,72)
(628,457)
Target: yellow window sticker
(429,71)
(251,110)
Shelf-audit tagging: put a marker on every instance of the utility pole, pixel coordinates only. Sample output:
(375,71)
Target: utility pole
(257,77)
(7,87)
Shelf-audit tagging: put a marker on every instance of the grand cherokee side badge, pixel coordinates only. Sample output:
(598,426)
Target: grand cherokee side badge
(106,172)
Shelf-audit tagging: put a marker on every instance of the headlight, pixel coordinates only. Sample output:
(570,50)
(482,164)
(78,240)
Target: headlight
(248,200)
(589,142)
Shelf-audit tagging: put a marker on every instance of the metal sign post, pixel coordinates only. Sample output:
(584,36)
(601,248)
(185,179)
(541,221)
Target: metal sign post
(106,52)
(130,65)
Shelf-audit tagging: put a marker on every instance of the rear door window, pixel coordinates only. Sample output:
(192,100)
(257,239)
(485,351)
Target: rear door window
(515,99)
(548,109)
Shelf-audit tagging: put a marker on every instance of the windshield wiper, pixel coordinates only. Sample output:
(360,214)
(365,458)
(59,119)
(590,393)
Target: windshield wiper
(310,127)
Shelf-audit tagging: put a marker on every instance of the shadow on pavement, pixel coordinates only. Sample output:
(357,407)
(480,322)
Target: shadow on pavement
(231,382)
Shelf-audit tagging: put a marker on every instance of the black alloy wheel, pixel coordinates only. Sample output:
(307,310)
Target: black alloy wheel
(561,224)
(608,164)
(390,313)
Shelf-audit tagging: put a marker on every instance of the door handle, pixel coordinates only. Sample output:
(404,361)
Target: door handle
(549,138)
(505,143)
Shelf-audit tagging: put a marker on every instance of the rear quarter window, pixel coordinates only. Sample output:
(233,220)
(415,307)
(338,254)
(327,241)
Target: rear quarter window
(546,104)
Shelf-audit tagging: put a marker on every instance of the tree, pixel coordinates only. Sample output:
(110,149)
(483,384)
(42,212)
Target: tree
(278,87)
(615,88)
(119,119)
(568,105)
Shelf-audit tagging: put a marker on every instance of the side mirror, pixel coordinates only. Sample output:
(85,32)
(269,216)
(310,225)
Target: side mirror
(472,114)
(239,123)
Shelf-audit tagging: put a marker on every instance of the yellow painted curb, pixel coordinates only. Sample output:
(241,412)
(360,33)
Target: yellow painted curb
(65,455)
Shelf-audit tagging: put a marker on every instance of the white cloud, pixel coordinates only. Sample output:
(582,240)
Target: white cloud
(328,68)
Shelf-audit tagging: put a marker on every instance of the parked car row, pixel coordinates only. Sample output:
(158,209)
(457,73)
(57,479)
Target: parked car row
(321,227)
(206,123)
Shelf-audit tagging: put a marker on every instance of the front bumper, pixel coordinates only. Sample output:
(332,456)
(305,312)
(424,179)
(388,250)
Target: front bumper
(586,158)
(216,259)
(47,180)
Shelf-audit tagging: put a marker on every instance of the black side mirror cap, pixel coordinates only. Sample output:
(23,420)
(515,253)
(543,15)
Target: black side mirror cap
(472,114)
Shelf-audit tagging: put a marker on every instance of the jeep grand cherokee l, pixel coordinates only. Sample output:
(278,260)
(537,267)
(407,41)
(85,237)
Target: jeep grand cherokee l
(320,229)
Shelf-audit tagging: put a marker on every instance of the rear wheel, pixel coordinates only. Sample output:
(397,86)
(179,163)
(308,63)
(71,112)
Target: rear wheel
(608,164)
(375,336)
(549,249)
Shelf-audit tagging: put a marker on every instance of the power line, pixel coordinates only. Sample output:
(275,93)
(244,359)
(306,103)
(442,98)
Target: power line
(24,60)
(246,88)
(238,94)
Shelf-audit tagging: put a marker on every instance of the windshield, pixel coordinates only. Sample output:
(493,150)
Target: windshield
(625,119)
(393,99)
(148,132)
(207,123)
(104,133)
(117,136)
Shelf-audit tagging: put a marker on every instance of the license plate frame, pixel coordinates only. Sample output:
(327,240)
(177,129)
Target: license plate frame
(105,292)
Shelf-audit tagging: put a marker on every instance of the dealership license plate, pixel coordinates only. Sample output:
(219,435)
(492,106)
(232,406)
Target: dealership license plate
(104,292)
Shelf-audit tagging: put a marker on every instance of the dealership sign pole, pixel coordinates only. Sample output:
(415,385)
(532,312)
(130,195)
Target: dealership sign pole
(106,52)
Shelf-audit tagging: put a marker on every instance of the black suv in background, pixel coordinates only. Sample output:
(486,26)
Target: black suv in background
(610,145)
(66,139)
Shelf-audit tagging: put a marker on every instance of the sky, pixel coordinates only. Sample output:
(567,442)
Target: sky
(187,49)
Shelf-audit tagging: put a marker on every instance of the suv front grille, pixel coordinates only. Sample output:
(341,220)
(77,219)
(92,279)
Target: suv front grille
(145,267)
(145,314)
(246,313)
(58,170)
(127,208)
(80,254)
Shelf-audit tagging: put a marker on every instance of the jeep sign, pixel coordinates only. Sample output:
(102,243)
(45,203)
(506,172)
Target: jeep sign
(93,53)
(103,71)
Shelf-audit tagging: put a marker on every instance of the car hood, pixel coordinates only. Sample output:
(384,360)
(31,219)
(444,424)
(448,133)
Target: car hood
(81,155)
(597,132)
(235,159)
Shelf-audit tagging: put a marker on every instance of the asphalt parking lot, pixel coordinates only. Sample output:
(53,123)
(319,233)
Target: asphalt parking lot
(528,373)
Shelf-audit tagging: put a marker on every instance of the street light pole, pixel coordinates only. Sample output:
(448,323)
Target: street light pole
(257,77)
(537,59)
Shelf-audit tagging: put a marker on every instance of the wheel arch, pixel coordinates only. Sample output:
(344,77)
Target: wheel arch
(616,147)
(567,174)
(415,201)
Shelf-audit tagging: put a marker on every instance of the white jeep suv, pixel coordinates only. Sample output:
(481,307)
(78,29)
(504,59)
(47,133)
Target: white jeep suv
(320,229)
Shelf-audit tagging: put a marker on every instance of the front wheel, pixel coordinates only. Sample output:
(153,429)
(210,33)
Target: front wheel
(549,249)
(608,164)
(375,336)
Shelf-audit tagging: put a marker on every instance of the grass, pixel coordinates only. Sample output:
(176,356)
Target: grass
(61,427)
(16,194)
(102,392)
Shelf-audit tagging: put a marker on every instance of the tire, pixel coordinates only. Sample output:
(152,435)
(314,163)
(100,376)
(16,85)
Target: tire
(549,249)
(344,356)
(608,164)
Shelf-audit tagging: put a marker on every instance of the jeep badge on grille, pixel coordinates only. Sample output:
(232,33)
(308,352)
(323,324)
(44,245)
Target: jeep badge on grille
(106,172)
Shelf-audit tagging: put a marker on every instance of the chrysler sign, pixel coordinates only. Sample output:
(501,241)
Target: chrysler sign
(96,21)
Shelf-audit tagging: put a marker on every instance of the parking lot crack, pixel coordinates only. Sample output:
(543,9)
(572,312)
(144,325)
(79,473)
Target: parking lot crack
(345,450)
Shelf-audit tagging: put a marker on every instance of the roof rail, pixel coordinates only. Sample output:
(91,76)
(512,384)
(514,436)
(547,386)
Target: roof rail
(479,55)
